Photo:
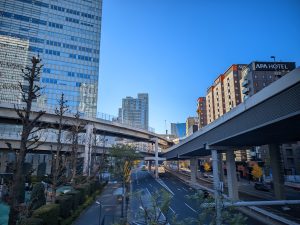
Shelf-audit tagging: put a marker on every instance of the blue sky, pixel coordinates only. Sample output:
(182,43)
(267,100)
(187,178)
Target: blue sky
(174,49)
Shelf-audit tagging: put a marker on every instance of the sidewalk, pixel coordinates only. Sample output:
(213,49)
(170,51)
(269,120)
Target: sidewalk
(110,209)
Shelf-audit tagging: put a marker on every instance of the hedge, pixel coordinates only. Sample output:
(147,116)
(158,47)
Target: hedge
(48,213)
(32,221)
(76,195)
(65,204)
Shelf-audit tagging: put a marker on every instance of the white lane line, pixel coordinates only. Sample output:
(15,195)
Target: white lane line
(185,189)
(172,210)
(190,208)
(178,189)
(165,186)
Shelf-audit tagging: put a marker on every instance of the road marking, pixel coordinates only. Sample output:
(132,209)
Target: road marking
(172,210)
(178,189)
(165,186)
(190,208)
(185,189)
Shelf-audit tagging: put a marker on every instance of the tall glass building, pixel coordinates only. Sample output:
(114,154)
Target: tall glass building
(66,35)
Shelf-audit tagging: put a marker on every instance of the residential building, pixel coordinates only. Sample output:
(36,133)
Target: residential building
(135,111)
(231,83)
(201,110)
(178,129)
(219,100)
(191,124)
(66,36)
(258,75)
(210,105)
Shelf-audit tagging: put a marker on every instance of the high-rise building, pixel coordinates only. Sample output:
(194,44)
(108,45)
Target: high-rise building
(201,110)
(219,101)
(178,129)
(210,105)
(232,93)
(135,111)
(66,36)
(258,75)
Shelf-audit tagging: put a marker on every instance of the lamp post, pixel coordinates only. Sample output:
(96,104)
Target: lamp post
(273,57)
(100,209)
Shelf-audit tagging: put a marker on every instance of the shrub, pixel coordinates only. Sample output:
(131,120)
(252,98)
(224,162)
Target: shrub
(37,198)
(76,195)
(48,213)
(32,221)
(65,204)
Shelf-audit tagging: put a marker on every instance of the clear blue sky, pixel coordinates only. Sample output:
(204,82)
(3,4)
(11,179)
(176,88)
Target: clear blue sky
(174,49)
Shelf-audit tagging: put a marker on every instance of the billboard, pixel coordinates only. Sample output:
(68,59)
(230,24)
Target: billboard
(273,66)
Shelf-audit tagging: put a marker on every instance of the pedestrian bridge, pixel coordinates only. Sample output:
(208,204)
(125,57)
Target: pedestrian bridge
(271,116)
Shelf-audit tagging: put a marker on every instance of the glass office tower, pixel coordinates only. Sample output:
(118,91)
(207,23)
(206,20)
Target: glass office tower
(66,35)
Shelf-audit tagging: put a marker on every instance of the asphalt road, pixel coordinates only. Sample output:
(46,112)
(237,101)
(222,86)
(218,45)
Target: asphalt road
(180,205)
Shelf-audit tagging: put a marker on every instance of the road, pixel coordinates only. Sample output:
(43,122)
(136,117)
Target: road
(180,205)
(247,192)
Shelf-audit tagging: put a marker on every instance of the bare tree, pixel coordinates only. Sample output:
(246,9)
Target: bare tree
(59,165)
(76,128)
(30,91)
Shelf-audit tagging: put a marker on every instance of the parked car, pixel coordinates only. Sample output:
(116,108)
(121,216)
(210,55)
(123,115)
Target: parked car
(261,186)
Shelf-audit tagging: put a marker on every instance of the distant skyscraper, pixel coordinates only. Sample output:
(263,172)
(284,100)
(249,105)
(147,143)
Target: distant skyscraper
(135,111)
(66,35)
(178,129)
(191,125)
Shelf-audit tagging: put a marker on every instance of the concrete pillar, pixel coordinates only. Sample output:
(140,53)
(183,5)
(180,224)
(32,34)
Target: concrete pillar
(231,176)
(277,171)
(178,165)
(3,161)
(193,165)
(217,194)
(221,169)
(48,162)
(87,148)
(156,157)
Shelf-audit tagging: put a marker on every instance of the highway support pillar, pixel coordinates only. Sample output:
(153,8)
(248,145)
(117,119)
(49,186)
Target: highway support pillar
(221,168)
(3,162)
(193,166)
(231,176)
(277,171)
(217,193)
(156,158)
(87,149)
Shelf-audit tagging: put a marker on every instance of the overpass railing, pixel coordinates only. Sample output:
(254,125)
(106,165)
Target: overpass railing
(99,115)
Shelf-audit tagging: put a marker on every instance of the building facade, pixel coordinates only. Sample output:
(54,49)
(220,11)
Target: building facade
(231,83)
(219,100)
(67,39)
(201,110)
(258,75)
(191,125)
(178,129)
(135,111)
(210,105)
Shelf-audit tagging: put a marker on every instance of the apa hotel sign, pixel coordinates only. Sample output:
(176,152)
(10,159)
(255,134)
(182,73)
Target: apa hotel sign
(274,66)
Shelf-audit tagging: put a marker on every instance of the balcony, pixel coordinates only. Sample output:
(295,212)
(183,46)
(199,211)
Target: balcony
(246,90)
(245,83)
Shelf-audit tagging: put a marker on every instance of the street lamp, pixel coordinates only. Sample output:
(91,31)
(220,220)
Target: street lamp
(273,57)
(100,209)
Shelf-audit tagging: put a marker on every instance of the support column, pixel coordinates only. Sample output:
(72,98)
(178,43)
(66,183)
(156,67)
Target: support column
(277,171)
(217,194)
(193,166)
(156,158)
(221,169)
(3,162)
(231,176)
(87,148)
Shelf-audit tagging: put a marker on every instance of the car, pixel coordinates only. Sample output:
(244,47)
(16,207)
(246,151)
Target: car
(261,186)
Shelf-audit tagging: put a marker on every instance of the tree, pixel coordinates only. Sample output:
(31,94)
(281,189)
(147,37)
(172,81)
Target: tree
(124,156)
(76,128)
(257,172)
(30,91)
(207,213)
(59,166)
(37,198)
(155,211)
(206,167)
